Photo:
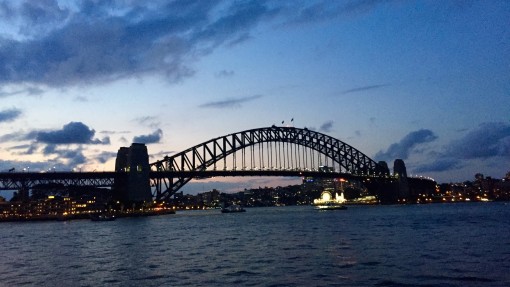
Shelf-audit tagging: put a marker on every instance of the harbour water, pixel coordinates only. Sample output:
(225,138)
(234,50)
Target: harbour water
(408,245)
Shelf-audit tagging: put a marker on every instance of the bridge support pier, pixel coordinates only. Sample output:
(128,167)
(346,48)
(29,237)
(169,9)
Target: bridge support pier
(134,161)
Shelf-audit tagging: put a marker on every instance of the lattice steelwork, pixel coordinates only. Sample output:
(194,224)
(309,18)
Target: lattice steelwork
(25,181)
(273,148)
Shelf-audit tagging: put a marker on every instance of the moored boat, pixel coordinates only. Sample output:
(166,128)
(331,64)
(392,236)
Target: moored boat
(233,208)
(102,217)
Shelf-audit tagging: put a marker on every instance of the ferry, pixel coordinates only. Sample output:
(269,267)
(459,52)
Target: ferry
(326,202)
(331,206)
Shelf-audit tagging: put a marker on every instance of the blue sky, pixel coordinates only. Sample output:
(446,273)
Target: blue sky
(425,81)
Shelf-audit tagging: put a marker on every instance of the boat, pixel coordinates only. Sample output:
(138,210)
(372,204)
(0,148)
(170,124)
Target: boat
(232,209)
(326,202)
(331,206)
(102,217)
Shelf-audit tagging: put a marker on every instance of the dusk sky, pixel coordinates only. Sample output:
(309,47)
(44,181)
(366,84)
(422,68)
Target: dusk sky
(424,81)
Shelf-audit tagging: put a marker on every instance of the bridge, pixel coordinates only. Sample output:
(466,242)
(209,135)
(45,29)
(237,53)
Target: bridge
(269,151)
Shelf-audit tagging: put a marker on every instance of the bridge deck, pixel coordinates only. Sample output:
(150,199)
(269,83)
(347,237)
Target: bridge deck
(27,180)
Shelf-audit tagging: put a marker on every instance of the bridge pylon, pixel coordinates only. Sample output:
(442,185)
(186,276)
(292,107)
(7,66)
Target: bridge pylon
(135,187)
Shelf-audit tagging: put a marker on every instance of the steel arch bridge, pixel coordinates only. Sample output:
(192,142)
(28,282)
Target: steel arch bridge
(263,151)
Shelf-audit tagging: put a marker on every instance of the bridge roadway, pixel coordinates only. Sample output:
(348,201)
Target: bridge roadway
(28,180)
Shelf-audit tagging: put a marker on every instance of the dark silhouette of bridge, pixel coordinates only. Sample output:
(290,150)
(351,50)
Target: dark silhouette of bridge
(270,151)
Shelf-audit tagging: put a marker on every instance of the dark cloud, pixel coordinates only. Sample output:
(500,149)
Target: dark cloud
(105,141)
(59,44)
(230,103)
(71,133)
(9,115)
(105,156)
(73,157)
(487,140)
(403,148)
(31,91)
(36,14)
(109,40)
(438,165)
(155,137)
(362,89)
(319,11)
(326,127)
(25,149)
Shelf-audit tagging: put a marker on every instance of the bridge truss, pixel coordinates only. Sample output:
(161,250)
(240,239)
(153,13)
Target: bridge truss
(265,149)
(26,181)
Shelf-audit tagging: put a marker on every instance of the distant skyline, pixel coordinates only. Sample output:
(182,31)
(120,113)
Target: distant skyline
(424,81)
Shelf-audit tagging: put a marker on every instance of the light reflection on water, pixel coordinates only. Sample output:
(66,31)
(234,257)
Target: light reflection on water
(417,245)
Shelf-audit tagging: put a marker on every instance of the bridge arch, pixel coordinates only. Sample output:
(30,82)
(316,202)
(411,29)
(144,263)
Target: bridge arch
(210,155)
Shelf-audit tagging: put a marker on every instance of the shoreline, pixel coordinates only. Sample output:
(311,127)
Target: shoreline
(22,218)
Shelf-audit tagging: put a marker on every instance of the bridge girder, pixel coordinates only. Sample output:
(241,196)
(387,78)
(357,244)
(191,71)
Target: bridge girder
(209,153)
(25,181)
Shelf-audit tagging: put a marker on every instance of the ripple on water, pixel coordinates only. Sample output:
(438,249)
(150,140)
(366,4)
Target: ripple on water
(292,246)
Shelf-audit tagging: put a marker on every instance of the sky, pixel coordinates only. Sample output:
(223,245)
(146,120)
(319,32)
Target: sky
(423,81)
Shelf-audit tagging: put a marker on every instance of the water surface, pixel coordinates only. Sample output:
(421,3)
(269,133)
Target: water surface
(412,245)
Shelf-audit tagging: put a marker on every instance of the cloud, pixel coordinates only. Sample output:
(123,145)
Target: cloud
(9,115)
(161,154)
(71,133)
(326,127)
(487,140)
(25,149)
(73,157)
(148,121)
(402,149)
(364,88)
(105,156)
(155,137)
(114,132)
(230,103)
(65,159)
(6,165)
(62,44)
(438,165)
(320,11)
(58,43)
(224,74)
(31,91)
(81,99)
